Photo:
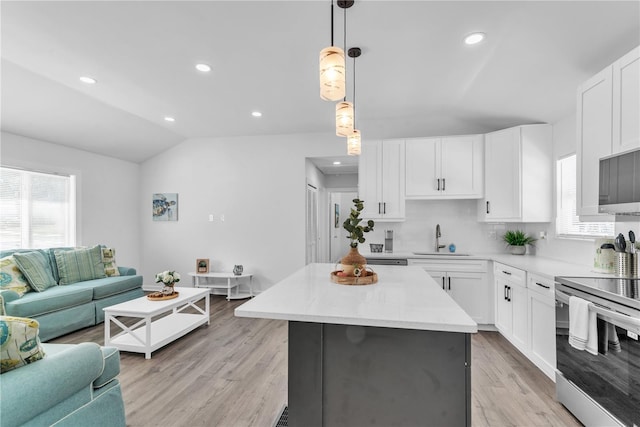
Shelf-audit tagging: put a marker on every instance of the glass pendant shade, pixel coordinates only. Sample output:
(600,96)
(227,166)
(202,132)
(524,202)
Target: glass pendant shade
(344,118)
(354,144)
(332,73)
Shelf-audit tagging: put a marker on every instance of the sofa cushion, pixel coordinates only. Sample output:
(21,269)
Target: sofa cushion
(79,265)
(57,298)
(52,259)
(11,277)
(19,342)
(36,268)
(109,260)
(108,286)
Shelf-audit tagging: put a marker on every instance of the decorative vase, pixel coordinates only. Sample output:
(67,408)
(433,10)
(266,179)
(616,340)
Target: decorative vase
(352,260)
(238,269)
(168,289)
(517,250)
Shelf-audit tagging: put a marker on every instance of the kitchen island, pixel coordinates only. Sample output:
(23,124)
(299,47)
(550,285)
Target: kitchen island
(397,352)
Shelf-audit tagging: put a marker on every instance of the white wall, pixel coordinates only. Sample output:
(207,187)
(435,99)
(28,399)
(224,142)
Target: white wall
(258,183)
(107,191)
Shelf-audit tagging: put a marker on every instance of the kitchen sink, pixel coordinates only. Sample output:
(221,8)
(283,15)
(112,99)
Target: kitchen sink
(440,253)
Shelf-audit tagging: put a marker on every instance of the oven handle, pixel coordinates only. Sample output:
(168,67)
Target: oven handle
(616,318)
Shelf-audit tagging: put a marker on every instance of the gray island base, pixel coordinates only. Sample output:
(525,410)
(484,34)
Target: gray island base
(346,375)
(395,353)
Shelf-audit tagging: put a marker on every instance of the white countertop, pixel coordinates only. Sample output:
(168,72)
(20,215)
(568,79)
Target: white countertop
(546,267)
(406,298)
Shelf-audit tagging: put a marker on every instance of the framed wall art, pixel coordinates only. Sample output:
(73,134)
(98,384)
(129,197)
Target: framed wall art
(165,207)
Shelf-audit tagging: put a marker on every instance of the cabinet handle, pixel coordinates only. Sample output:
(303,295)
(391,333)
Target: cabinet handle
(509,293)
(487,207)
(449,283)
(384,208)
(379,207)
(505,293)
(443,283)
(438,189)
(506,272)
(443,183)
(544,286)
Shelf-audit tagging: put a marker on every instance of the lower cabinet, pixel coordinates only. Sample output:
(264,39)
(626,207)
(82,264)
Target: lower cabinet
(466,282)
(511,304)
(542,325)
(525,314)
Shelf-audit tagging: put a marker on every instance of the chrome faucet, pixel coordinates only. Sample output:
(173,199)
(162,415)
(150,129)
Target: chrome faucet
(438,236)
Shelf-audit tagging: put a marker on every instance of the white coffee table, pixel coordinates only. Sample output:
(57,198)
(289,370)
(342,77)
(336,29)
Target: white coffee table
(148,334)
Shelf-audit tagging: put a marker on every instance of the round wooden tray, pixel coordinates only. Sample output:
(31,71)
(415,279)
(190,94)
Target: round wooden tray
(159,296)
(369,278)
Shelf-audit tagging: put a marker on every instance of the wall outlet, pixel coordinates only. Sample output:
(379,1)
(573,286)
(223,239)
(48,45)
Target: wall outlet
(493,235)
(210,217)
(542,235)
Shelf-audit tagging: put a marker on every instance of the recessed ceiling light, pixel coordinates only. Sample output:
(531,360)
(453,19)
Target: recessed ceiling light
(203,67)
(169,119)
(474,38)
(256,114)
(337,163)
(88,80)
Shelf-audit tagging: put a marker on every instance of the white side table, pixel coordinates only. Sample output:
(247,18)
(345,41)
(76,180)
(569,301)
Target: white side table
(201,280)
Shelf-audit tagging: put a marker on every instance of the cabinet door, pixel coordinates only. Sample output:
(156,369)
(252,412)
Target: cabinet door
(520,332)
(462,167)
(393,158)
(594,112)
(502,175)
(370,178)
(504,311)
(422,167)
(626,102)
(543,332)
(470,291)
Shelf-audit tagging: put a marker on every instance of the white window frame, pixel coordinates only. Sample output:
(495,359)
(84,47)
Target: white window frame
(72,212)
(577,229)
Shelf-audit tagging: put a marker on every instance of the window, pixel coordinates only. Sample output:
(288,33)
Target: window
(37,210)
(567,222)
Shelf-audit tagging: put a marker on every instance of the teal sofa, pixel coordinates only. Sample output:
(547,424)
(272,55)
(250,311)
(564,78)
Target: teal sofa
(73,385)
(67,308)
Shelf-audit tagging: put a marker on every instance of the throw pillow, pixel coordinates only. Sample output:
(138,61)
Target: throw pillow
(79,265)
(19,342)
(11,277)
(109,260)
(35,267)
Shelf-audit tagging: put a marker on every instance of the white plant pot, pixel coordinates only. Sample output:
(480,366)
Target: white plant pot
(517,250)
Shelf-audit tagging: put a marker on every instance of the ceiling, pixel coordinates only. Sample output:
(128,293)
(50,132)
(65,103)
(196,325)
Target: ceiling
(414,78)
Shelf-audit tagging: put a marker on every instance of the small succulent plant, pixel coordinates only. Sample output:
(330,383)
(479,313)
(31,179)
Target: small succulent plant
(518,238)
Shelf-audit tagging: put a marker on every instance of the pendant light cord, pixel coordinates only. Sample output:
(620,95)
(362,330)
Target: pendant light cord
(344,45)
(354,92)
(331,22)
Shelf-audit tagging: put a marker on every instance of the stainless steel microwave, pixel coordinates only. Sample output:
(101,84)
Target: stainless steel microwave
(620,184)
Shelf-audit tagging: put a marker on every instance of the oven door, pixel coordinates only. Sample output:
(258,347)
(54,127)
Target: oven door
(612,377)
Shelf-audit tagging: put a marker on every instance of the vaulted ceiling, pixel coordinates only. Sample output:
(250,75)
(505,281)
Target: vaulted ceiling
(415,76)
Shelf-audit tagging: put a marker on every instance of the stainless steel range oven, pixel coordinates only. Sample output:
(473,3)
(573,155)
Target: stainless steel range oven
(601,389)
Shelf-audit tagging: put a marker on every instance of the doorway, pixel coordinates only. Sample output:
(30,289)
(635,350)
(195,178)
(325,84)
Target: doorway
(340,202)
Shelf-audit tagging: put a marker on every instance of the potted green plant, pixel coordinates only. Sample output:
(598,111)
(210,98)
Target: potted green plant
(517,241)
(353,264)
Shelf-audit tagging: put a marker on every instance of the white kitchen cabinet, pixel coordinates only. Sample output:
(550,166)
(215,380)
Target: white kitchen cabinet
(467,283)
(608,122)
(626,102)
(542,326)
(381,179)
(512,318)
(518,175)
(448,167)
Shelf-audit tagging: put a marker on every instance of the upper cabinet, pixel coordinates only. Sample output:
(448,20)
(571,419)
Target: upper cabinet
(381,176)
(608,122)
(445,167)
(518,175)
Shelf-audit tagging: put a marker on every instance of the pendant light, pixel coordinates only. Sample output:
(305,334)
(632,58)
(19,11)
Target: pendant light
(332,68)
(344,109)
(354,139)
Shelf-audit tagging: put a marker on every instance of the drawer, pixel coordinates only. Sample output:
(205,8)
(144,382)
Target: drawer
(470,265)
(541,285)
(512,274)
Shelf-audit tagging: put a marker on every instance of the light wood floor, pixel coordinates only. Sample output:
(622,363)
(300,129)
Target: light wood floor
(234,373)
